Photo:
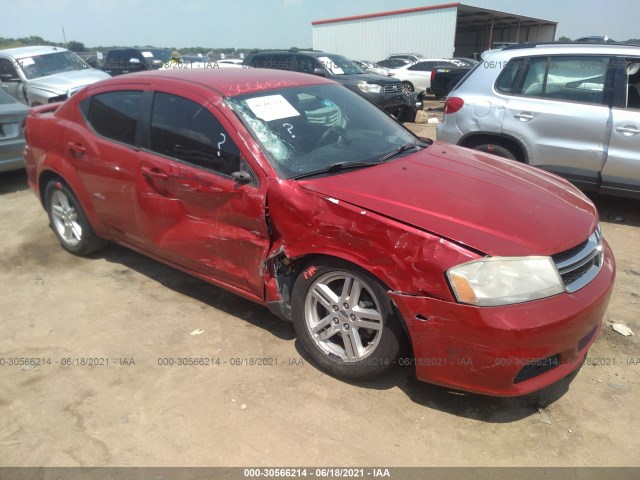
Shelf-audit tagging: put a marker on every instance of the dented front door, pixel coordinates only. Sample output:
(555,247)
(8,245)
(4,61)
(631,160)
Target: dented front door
(193,213)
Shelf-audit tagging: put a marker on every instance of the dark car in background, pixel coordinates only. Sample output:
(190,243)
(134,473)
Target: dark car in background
(119,61)
(12,114)
(385,92)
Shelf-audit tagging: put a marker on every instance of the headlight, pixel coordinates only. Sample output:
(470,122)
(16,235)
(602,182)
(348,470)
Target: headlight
(494,281)
(370,87)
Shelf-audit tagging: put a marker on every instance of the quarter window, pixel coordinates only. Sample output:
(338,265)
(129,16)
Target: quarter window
(185,130)
(115,115)
(574,79)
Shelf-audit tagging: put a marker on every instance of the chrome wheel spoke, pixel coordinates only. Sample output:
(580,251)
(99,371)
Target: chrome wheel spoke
(325,296)
(367,318)
(352,344)
(57,211)
(351,291)
(76,230)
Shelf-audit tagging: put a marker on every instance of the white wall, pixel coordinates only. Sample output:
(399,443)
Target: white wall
(430,32)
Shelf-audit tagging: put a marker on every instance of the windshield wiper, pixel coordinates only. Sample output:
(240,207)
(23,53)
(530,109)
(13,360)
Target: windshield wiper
(398,151)
(335,167)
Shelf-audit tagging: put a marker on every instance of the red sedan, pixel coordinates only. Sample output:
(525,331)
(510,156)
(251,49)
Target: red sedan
(294,192)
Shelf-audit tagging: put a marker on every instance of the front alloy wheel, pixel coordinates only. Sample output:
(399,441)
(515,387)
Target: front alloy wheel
(345,320)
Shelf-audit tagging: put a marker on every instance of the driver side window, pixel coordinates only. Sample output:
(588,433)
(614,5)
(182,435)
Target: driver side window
(187,131)
(7,69)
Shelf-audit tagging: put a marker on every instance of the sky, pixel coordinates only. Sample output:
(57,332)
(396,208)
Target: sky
(269,24)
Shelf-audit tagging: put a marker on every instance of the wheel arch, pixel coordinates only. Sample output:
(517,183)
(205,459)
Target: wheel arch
(287,278)
(69,178)
(509,142)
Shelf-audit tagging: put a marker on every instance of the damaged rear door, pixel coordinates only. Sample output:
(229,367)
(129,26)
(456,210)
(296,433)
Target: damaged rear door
(195,209)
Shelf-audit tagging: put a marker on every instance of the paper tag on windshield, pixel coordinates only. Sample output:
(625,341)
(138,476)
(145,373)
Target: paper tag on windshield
(331,66)
(147,54)
(25,62)
(272,107)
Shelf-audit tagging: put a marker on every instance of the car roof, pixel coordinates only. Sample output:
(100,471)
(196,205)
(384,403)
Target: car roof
(568,48)
(30,51)
(311,53)
(225,82)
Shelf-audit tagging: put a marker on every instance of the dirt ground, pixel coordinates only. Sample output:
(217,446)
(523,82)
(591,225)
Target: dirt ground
(131,313)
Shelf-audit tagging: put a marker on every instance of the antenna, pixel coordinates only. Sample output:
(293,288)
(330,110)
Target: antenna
(64,36)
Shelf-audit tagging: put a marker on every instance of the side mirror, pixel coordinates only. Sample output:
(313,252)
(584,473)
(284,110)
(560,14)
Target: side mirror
(320,72)
(8,77)
(241,177)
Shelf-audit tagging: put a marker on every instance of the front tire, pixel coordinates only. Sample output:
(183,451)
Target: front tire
(68,221)
(408,87)
(345,320)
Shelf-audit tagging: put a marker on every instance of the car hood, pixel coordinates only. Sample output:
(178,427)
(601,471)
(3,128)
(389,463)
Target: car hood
(60,83)
(367,77)
(490,204)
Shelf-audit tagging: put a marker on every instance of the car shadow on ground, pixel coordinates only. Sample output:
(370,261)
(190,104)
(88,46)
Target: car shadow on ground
(477,407)
(483,408)
(14,181)
(197,289)
(620,210)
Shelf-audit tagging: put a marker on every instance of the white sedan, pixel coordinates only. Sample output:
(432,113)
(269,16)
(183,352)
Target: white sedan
(416,76)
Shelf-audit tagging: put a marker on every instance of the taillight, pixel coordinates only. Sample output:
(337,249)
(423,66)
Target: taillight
(433,74)
(453,104)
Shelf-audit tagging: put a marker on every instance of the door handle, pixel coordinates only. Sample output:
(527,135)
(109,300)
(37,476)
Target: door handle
(154,173)
(524,116)
(628,130)
(76,149)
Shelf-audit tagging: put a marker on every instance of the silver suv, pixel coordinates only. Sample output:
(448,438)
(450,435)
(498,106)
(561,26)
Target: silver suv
(570,109)
(41,75)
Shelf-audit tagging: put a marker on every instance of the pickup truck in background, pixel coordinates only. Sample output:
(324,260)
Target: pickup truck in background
(444,78)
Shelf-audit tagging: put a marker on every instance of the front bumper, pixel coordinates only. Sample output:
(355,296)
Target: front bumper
(509,350)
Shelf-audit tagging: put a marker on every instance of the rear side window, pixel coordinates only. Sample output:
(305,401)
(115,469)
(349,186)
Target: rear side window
(568,78)
(115,115)
(185,130)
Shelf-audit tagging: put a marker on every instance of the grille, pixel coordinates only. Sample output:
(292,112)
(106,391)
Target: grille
(537,367)
(580,264)
(393,87)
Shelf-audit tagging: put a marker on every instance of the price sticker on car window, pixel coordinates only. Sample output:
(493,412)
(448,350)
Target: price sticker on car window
(272,107)
(331,66)
(147,54)
(26,62)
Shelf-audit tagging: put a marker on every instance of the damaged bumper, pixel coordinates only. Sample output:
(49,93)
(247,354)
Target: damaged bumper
(509,350)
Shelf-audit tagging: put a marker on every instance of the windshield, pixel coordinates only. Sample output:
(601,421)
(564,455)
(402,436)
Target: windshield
(50,63)
(308,129)
(339,65)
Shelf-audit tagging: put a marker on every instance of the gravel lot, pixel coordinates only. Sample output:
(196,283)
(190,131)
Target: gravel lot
(132,312)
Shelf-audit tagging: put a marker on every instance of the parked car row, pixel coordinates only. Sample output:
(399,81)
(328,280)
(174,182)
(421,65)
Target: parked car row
(385,92)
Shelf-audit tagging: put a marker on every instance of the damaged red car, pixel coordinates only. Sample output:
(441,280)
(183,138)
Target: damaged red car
(294,192)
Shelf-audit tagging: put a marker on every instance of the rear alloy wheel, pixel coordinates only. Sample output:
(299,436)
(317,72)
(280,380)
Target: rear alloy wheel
(345,320)
(407,87)
(69,222)
(495,149)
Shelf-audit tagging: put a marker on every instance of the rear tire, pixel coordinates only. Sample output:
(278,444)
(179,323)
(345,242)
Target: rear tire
(68,221)
(496,149)
(345,320)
